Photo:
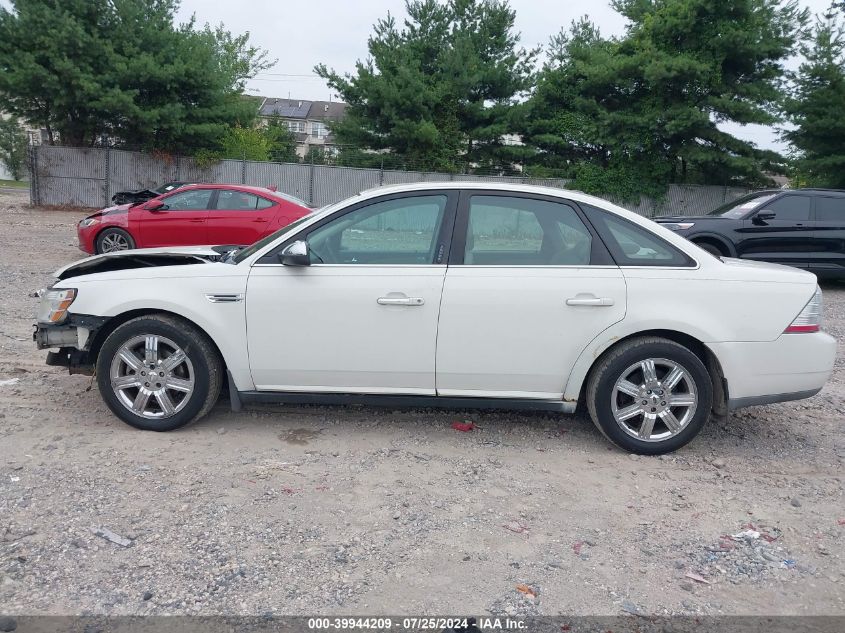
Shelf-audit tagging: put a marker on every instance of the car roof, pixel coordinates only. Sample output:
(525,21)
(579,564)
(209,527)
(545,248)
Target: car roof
(262,191)
(557,192)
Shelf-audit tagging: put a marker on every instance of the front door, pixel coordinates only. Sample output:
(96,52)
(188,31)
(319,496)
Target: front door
(362,318)
(785,238)
(239,217)
(528,287)
(180,222)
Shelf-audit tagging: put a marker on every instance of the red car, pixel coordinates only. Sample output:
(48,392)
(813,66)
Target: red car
(189,216)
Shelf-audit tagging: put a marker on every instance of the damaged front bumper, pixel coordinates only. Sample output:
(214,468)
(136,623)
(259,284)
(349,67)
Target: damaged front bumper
(73,338)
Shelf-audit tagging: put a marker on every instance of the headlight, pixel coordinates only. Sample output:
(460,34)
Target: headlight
(54,304)
(679,226)
(88,222)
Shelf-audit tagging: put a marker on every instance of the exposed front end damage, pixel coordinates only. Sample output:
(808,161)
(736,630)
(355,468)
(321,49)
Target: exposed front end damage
(73,338)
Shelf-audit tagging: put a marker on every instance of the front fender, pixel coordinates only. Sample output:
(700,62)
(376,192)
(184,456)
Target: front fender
(224,322)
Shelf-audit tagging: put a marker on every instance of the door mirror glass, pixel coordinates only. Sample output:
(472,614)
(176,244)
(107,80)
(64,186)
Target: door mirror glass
(296,254)
(765,215)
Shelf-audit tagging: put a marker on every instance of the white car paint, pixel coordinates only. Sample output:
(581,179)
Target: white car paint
(482,331)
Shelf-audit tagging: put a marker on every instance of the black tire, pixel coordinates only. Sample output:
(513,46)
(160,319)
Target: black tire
(205,360)
(112,233)
(711,248)
(613,364)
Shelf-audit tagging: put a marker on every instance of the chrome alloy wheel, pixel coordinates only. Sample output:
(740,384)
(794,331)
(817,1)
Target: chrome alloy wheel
(152,376)
(114,242)
(654,399)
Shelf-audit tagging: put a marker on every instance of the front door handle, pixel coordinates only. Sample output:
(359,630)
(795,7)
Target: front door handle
(400,301)
(590,300)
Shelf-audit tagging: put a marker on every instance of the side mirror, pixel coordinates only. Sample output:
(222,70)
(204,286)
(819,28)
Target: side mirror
(155,205)
(765,215)
(296,254)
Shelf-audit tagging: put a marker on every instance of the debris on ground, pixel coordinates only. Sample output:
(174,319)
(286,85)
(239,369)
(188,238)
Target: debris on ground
(111,536)
(516,526)
(9,382)
(697,577)
(748,555)
(463,427)
(526,591)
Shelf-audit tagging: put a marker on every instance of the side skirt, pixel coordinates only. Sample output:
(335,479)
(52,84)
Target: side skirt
(240,398)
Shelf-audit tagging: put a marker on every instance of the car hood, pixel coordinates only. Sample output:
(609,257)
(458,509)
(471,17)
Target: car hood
(143,258)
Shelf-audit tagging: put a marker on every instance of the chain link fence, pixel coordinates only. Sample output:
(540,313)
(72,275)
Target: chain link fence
(88,177)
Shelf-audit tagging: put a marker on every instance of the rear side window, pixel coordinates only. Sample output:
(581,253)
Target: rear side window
(830,209)
(790,208)
(512,231)
(230,200)
(633,245)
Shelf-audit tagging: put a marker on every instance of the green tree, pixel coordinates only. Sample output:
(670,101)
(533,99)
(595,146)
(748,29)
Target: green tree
(121,71)
(815,107)
(282,142)
(13,146)
(439,91)
(245,143)
(646,107)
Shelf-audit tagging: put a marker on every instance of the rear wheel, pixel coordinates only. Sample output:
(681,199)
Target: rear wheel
(649,395)
(112,240)
(159,373)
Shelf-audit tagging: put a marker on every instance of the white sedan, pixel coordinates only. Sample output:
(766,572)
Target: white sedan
(447,294)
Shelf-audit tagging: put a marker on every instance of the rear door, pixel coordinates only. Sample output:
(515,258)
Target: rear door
(239,217)
(529,285)
(828,256)
(787,238)
(180,222)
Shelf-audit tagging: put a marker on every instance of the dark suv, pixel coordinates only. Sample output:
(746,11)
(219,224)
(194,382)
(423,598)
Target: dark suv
(798,227)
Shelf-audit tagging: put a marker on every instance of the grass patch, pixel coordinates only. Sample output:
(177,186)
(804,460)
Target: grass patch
(19,184)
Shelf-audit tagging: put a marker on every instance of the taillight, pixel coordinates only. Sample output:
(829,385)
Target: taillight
(810,318)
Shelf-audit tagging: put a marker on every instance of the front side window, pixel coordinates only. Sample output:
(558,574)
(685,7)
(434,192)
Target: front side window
(399,231)
(790,208)
(193,200)
(511,231)
(632,245)
(737,209)
(830,209)
(240,201)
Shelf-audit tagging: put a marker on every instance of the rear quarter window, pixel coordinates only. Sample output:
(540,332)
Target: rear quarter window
(632,245)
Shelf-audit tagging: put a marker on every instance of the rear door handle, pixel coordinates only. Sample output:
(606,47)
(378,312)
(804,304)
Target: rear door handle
(582,300)
(197,220)
(400,301)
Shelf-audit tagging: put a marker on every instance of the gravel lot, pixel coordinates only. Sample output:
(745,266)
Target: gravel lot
(303,510)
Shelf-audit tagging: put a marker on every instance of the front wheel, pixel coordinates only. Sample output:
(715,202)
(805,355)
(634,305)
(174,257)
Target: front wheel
(159,373)
(650,395)
(113,240)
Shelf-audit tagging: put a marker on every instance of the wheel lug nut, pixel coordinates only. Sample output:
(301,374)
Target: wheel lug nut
(645,401)
(663,404)
(146,384)
(653,409)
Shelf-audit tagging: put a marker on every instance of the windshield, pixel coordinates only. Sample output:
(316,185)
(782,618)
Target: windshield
(236,257)
(741,207)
